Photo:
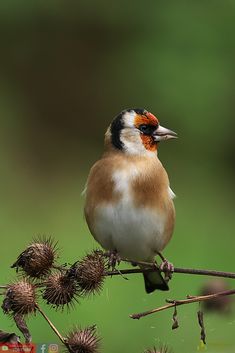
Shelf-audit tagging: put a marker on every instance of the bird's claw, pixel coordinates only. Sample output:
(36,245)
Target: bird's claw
(114,259)
(168,269)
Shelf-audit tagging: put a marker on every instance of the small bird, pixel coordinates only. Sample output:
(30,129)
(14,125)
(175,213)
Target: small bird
(129,204)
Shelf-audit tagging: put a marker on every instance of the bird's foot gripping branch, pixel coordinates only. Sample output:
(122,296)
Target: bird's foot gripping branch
(43,278)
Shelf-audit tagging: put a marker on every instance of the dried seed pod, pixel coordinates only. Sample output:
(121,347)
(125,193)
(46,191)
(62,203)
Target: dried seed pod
(201,324)
(38,258)
(90,273)
(60,289)
(20,298)
(83,340)
(175,324)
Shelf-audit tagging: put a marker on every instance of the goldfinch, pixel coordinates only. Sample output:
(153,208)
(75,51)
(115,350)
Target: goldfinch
(129,204)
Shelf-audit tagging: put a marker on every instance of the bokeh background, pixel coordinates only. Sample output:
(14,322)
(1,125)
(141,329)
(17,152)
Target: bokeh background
(67,68)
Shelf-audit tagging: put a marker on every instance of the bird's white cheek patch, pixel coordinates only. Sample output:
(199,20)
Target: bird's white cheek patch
(129,118)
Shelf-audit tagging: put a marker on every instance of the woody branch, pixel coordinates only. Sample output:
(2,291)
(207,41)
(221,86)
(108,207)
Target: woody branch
(149,267)
(190,299)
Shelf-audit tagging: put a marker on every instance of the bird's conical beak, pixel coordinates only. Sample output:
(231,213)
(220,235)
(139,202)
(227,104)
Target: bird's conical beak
(161,133)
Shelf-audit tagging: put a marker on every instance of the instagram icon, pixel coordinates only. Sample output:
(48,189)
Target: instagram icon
(53,348)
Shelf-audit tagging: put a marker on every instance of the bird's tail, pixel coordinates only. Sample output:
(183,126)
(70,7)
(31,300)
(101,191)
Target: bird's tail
(154,280)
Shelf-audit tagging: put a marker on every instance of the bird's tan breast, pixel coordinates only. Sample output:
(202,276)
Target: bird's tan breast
(150,187)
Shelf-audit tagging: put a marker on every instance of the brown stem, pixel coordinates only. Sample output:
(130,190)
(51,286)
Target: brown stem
(152,267)
(194,271)
(125,272)
(51,325)
(22,326)
(191,299)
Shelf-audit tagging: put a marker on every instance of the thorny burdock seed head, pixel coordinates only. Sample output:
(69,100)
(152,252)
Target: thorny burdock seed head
(20,298)
(90,273)
(60,289)
(83,340)
(38,258)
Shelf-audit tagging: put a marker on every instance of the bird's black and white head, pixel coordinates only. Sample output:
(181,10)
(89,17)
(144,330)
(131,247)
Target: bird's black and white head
(136,131)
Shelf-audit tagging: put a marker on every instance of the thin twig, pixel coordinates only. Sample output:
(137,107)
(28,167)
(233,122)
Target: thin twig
(126,272)
(51,325)
(150,267)
(191,299)
(194,271)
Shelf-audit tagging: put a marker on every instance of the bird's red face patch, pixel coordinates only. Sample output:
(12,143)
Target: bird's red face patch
(149,143)
(148,120)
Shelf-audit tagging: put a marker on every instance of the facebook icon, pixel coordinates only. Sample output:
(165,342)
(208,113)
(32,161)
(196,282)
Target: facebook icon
(43,348)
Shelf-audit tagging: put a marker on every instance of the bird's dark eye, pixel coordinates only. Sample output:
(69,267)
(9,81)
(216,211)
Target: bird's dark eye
(147,129)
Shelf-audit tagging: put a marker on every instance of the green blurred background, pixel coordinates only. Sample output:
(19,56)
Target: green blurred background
(67,68)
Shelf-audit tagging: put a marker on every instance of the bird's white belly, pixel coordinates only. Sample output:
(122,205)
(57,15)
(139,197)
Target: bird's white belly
(136,233)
